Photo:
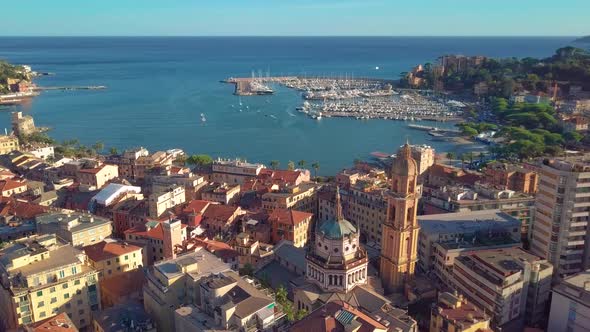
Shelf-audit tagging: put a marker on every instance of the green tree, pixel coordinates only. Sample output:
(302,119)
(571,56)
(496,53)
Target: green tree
(316,168)
(301,163)
(301,313)
(291,165)
(98,146)
(572,137)
(450,157)
(247,270)
(113,151)
(199,160)
(274,164)
(281,294)
(182,159)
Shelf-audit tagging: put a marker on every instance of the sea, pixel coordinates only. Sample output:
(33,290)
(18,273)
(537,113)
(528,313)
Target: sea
(157,88)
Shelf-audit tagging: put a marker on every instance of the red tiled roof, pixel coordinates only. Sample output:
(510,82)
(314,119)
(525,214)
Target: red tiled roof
(196,205)
(20,209)
(287,176)
(10,184)
(92,170)
(324,319)
(220,212)
(58,323)
(105,250)
(155,233)
(291,217)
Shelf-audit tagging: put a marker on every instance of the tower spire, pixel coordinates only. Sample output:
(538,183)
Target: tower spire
(339,215)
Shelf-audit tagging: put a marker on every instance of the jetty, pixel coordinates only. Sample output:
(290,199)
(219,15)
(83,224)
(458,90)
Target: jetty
(69,88)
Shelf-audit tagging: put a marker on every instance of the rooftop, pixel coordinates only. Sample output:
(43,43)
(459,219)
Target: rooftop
(58,323)
(108,249)
(465,222)
(111,191)
(206,263)
(576,287)
(78,221)
(124,317)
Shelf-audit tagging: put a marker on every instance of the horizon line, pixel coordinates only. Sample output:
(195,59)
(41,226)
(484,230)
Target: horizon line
(291,36)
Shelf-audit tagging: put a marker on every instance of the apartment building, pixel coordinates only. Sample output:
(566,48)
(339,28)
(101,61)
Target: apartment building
(234,171)
(570,304)
(232,302)
(174,283)
(222,193)
(8,144)
(159,202)
(453,313)
(96,178)
(562,205)
(78,229)
(42,277)
(111,258)
(440,228)
(290,225)
(510,284)
(302,197)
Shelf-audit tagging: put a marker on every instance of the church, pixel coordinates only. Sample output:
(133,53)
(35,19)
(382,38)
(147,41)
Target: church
(337,264)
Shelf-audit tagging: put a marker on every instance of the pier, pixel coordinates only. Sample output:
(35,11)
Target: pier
(69,88)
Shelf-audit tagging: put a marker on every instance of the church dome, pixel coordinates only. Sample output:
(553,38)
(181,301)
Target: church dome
(404,164)
(337,229)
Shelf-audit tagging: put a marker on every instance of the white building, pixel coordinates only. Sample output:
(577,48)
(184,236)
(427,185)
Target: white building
(446,227)
(570,304)
(234,171)
(158,203)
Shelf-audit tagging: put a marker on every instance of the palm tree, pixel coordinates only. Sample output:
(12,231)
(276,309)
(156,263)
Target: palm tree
(463,158)
(450,156)
(470,156)
(301,163)
(113,151)
(291,165)
(316,167)
(98,146)
(274,164)
(481,157)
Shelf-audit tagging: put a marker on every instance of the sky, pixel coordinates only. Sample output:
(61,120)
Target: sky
(295,18)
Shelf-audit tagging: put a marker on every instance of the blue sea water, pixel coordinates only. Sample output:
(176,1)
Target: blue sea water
(159,86)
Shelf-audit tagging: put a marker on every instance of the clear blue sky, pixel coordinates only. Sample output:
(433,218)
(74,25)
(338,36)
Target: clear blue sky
(295,17)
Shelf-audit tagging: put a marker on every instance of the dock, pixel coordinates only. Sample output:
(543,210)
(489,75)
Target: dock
(69,88)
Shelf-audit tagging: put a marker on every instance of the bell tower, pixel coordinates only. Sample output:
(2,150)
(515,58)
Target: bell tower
(399,238)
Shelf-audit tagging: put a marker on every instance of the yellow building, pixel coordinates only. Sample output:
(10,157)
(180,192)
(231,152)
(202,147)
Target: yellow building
(454,314)
(8,144)
(302,197)
(79,229)
(42,277)
(399,239)
(111,258)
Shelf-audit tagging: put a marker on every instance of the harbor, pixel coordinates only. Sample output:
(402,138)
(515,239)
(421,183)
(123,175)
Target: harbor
(359,98)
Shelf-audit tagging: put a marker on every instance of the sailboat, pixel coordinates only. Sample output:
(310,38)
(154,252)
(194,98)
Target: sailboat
(240,99)
(203,119)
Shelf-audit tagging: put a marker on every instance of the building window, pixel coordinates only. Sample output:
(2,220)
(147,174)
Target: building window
(126,257)
(77,282)
(81,312)
(62,274)
(74,270)
(40,293)
(66,295)
(109,262)
(65,285)
(53,299)
(42,314)
(52,290)
(40,304)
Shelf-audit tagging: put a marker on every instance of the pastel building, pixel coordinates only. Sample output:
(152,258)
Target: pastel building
(111,258)
(174,283)
(570,304)
(78,229)
(42,277)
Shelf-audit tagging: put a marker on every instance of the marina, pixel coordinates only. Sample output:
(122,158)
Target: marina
(359,98)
